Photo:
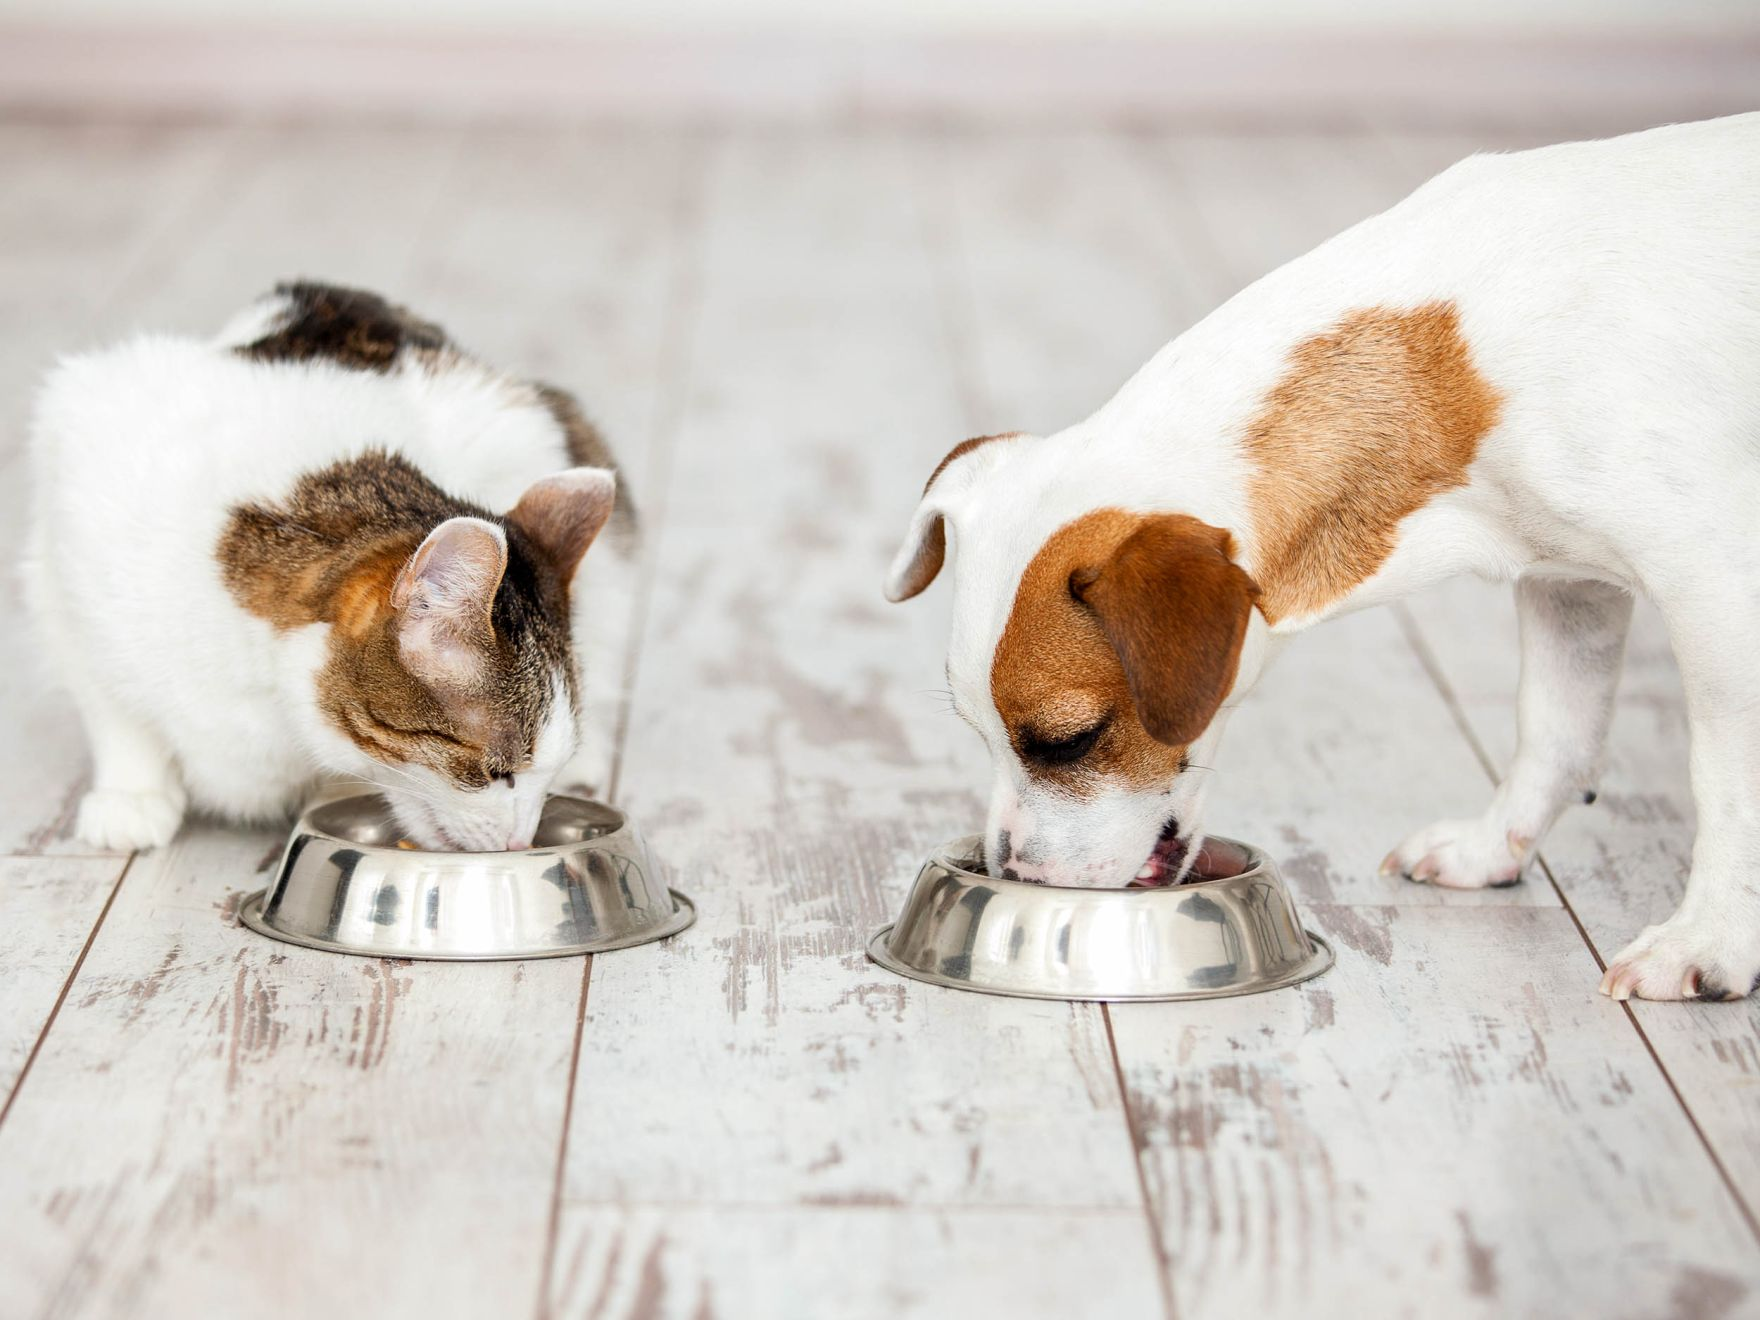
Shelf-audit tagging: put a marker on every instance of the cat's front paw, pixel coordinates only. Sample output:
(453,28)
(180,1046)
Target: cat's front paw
(121,821)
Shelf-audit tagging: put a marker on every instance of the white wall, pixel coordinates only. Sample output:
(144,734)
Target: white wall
(1565,17)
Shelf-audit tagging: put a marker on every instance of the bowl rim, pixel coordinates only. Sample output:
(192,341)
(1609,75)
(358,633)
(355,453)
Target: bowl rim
(1321,960)
(252,916)
(306,827)
(953,855)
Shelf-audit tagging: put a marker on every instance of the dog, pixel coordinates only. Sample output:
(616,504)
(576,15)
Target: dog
(1542,368)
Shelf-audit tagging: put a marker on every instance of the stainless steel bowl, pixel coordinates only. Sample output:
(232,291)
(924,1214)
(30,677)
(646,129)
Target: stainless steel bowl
(1234,932)
(586,885)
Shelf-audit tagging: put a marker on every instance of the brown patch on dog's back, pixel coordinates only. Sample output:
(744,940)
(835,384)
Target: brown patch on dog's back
(1370,422)
(351,327)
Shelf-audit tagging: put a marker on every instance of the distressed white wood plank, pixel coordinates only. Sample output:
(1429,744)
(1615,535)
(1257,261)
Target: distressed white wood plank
(265,1096)
(1622,862)
(769,1263)
(352,205)
(1390,741)
(1247,203)
(788,759)
(1444,1124)
(1410,158)
(47,908)
(217,1118)
(1031,258)
(348,204)
(578,231)
(84,205)
(561,254)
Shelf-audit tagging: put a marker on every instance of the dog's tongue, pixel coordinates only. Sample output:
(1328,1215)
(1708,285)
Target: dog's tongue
(1163,867)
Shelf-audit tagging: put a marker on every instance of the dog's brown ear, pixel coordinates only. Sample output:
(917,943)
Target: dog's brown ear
(1175,607)
(924,550)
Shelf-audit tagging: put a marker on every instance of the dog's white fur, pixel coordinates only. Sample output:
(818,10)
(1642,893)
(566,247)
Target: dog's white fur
(139,453)
(1610,294)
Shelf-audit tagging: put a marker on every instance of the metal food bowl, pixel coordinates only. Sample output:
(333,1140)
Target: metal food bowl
(1232,931)
(586,885)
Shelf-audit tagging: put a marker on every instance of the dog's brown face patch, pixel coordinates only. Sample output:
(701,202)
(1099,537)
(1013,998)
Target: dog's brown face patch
(1370,422)
(1123,639)
(335,551)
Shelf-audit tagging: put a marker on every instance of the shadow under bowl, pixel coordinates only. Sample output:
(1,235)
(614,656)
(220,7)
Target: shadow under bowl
(1232,932)
(586,885)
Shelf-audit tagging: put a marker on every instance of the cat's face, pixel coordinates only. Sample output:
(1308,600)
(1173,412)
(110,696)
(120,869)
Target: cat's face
(450,670)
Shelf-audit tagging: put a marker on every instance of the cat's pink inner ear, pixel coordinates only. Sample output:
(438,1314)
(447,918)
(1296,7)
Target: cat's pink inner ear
(563,513)
(444,596)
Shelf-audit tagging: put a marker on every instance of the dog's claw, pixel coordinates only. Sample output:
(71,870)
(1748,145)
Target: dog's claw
(1389,864)
(1617,983)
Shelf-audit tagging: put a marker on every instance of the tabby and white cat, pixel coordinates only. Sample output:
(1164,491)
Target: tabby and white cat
(272,559)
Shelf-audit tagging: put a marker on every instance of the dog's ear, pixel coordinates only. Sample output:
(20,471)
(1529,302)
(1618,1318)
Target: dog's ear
(924,550)
(1175,607)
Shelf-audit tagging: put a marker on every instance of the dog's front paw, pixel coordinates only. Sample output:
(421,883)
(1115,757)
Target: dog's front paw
(1686,960)
(1459,854)
(123,821)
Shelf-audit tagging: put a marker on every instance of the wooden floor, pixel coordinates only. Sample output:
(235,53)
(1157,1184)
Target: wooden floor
(782,330)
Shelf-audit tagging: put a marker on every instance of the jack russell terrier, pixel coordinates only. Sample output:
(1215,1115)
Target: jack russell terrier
(1542,368)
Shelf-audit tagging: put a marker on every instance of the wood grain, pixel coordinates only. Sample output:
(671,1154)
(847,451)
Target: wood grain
(222,1096)
(782,330)
(217,1118)
(788,759)
(1605,1142)
(47,909)
(70,246)
(1621,863)
(854,1262)
(1448,1122)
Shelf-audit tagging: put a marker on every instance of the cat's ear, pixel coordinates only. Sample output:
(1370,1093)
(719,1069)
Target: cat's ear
(443,596)
(563,513)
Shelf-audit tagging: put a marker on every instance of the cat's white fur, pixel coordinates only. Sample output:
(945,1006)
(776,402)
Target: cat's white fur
(139,452)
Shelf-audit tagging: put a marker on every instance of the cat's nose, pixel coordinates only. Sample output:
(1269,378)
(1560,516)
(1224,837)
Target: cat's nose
(518,843)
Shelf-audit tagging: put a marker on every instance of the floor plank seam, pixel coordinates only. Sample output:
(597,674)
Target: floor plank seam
(66,988)
(677,353)
(1427,658)
(941,245)
(1163,1267)
(553,1227)
(672,379)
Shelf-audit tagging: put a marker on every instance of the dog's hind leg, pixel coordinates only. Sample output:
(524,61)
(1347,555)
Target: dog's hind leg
(1710,947)
(1573,642)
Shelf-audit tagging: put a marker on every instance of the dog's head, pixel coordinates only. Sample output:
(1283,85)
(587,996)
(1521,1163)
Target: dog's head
(1093,647)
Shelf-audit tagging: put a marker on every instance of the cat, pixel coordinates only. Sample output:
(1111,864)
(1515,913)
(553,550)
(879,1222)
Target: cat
(271,559)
